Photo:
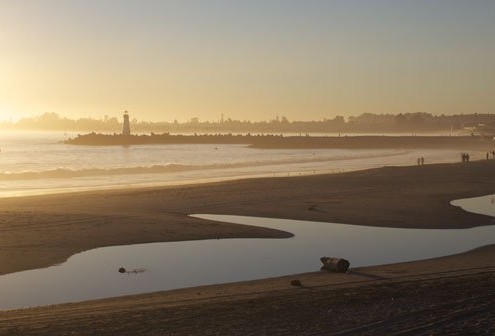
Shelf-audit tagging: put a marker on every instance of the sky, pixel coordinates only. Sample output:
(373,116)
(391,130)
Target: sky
(306,60)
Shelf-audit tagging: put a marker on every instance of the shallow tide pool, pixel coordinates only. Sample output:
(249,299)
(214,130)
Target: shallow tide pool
(162,266)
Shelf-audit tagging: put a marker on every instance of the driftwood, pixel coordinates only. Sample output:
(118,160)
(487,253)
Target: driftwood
(338,265)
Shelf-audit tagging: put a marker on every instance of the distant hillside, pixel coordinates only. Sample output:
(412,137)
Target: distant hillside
(410,123)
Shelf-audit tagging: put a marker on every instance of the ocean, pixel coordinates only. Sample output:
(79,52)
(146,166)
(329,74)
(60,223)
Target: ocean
(33,163)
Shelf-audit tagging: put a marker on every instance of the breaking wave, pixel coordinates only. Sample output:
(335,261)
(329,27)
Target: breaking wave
(63,173)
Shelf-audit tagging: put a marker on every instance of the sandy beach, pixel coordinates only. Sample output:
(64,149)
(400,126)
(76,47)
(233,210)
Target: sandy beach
(446,295)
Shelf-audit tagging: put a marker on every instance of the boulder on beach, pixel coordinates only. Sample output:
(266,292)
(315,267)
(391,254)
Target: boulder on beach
(332,264)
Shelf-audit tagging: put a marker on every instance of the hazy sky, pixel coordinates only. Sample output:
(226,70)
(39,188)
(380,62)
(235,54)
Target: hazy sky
(307,59)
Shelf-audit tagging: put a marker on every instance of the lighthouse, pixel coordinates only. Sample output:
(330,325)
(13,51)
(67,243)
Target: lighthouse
(127,127)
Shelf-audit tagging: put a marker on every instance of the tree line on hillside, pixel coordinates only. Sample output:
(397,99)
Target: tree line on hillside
(380,123)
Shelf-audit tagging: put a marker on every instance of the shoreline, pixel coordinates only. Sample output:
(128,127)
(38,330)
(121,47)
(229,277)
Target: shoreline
(186,175)
(40,231)
(44,230)
(451,295)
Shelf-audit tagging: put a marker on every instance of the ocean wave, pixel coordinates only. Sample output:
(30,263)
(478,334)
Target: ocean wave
(61,173)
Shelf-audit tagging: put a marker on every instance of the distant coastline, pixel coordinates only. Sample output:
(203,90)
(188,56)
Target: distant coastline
(268,141)
(407,123)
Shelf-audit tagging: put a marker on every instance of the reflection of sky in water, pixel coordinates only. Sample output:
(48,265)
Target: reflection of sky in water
(93,274)
(483,205)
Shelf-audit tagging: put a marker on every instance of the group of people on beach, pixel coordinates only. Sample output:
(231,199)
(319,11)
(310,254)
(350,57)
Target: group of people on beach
(465,156)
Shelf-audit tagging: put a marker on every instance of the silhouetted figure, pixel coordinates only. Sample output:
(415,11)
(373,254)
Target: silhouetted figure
(422,160)
(419,161)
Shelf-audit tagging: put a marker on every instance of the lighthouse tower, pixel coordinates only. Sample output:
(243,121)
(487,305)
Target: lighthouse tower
(127,127)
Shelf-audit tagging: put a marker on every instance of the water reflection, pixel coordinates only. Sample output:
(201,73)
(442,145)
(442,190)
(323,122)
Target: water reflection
(484,205)
(94,274)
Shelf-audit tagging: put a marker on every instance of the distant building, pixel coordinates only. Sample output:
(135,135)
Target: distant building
(127,127)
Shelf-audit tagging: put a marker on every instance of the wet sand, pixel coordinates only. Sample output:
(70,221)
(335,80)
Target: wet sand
(44,230)
(452,295)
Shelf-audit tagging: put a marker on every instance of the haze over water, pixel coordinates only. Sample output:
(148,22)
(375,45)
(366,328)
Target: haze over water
(38,163)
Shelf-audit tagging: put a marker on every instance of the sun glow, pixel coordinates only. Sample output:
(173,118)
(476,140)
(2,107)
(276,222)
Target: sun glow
(6,115)
(246,61)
